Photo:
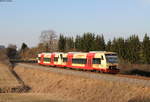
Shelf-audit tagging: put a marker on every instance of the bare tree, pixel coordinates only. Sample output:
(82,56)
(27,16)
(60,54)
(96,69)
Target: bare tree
(49,40)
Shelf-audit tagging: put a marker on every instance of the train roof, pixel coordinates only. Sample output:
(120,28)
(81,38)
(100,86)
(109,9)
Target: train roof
(59,52)
(45,53)
(105,52)
(77,52)
(101,52)
(97,51)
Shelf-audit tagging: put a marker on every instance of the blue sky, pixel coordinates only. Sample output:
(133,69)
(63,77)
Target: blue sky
(23,20)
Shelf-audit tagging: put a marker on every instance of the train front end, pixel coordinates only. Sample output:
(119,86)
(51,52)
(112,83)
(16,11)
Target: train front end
(111,59)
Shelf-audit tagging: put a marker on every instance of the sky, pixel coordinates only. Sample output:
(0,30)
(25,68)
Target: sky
(23,20)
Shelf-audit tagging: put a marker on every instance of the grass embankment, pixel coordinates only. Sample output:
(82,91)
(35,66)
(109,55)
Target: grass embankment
(81,89)
(14,90)
(8,82)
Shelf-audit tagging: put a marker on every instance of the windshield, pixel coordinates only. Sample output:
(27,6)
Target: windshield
(111,58)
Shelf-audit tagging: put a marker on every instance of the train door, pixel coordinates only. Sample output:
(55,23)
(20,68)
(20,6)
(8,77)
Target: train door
(89,63)
(103,61)
(89,60)
(52,58)
(60,58)
(42,58)
(69,61)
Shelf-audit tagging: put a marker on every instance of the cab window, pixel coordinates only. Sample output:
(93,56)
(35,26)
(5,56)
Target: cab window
(111,58)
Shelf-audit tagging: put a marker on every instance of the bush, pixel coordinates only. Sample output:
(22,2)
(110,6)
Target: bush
(3,57)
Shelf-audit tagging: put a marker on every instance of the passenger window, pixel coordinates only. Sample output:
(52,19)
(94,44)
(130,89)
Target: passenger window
(39,58)
(96,61)
(55,58)
(65,59)
(47,59)
(79,61)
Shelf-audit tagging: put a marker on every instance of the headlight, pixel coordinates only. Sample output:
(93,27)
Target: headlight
(112,67)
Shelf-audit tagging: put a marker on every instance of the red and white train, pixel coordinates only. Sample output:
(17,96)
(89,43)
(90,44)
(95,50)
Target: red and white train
(95,60)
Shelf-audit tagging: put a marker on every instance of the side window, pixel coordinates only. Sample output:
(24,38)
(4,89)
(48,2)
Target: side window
(39,58)
(65,59)
(79,61)
(96,61)
(47,59)
(55,58)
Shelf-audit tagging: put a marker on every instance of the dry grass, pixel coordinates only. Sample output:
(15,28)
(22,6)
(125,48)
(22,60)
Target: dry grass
(81,89)
(143,67)
(135,69)
(7,79)
(29,98)
(9,82)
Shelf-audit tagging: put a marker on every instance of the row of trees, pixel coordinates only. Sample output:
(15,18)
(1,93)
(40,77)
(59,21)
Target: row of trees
(130,49)
(87,42)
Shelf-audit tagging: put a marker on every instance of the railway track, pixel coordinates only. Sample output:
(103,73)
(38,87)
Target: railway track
(34,62)
(135,80)
(91,72)
(133,76)
(22,61)
(120,75)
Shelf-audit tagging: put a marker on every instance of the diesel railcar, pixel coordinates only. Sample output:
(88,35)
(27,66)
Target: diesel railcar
(102,61)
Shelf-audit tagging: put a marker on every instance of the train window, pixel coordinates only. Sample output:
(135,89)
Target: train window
(111,58)
(47,59)
(55,58)
(39,58)
(96,61)
(79,61)
(65,59)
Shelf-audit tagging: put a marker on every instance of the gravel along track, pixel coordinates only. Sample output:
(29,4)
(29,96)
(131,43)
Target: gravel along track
(106,77)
